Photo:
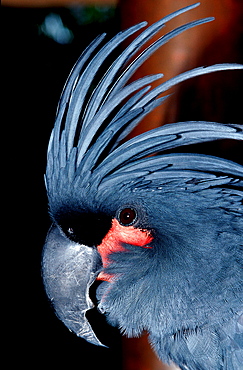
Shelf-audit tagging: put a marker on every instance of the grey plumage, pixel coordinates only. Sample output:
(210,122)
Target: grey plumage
(186,290)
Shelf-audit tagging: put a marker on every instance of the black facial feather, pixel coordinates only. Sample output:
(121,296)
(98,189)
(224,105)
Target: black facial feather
(84,228)
(185,288)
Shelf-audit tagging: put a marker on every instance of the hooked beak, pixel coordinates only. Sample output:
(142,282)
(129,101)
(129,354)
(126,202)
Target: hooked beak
(69,269)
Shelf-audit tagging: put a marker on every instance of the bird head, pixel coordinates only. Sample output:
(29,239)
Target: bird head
(146,224)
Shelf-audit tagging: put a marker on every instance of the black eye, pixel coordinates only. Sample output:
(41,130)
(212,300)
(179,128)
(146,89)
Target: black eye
(127,216)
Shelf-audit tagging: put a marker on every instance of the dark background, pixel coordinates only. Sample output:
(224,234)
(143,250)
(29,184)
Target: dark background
(34,72)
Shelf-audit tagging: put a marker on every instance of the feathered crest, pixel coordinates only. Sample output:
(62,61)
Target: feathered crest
(90,124)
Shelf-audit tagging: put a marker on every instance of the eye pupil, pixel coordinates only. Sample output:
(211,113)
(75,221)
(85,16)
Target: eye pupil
(127,217)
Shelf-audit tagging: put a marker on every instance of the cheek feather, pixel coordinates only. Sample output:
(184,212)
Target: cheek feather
(116,236)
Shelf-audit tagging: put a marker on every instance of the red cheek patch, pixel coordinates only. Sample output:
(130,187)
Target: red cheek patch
(113,240)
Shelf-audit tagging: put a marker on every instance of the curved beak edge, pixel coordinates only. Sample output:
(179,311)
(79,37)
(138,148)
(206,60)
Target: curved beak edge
(68,270)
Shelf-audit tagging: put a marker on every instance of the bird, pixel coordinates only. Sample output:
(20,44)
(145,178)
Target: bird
(160,230)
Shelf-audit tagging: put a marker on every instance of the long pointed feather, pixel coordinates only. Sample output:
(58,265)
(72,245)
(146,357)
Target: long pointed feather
(99,92)
(85,141)
(85,80)
(141,39)
(150,50)
(185,76)
(167,137)
(181,161)
(87,134)
(65,96)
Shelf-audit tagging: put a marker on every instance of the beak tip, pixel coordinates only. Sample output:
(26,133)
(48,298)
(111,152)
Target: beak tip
(69,269)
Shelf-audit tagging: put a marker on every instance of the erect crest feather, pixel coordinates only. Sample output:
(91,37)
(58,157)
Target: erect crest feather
(90,125)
